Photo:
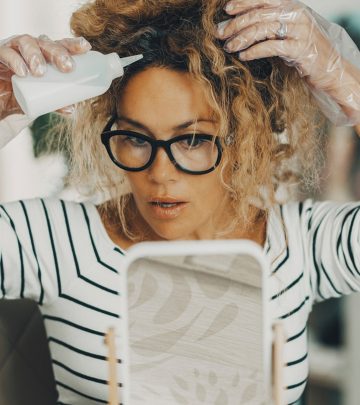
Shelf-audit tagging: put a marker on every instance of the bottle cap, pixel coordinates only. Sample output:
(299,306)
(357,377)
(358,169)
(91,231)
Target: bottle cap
(117,64)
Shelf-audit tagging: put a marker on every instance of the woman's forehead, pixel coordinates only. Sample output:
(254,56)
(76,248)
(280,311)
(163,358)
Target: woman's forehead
(163,96)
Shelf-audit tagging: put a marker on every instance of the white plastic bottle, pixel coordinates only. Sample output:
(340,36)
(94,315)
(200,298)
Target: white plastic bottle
(92,76)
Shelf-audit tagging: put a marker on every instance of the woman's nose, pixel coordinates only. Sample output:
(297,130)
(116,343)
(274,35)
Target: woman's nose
(162,169)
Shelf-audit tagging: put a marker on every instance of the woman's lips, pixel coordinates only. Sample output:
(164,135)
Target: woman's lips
(167,209)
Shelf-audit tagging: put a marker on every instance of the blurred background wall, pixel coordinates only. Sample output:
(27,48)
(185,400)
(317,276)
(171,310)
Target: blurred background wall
(335,331)
(21,176)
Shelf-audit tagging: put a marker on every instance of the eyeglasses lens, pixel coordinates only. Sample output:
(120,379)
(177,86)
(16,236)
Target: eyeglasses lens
(193,153)
(130,151)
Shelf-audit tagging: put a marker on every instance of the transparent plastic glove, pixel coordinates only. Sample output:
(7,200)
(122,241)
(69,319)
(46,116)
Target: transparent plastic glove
(24,54)
(322,52)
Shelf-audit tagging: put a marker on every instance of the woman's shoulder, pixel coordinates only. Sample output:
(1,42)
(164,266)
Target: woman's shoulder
(298,206)
(306,216)
(45,204)
(310,207)
(46,211)
(63,222)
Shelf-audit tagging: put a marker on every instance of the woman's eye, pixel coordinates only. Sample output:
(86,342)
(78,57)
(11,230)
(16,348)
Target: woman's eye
(193,142)
(136,141)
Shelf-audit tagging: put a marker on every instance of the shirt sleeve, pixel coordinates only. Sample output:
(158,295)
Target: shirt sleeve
(24,253)
(331,234)
(12,126)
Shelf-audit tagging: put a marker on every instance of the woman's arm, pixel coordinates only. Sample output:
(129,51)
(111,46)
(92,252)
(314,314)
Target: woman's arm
(12,126)
(21,265)
(25,271)
(331,238)
(344,88)
(322,52)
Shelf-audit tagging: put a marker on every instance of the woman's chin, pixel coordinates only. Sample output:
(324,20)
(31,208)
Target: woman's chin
(170,232)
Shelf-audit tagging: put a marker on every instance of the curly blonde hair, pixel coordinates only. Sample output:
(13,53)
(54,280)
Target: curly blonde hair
(263,106)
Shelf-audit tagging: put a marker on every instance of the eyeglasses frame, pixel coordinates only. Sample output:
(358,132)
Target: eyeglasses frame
(107,134)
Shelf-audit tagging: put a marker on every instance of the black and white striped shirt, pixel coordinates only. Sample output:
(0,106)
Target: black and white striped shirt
(59,254)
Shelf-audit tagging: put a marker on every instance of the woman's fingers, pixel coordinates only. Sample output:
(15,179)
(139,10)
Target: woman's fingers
(261,16)
(267,28)
(262,32)
(59,52)
(75,45)
(288,31)
(236,7)
(240,22)
(25,53)
(31,53)
(11,62)
(56,54)
(288,50)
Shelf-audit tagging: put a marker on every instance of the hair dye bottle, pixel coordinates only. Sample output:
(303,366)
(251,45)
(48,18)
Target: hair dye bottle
(92,76)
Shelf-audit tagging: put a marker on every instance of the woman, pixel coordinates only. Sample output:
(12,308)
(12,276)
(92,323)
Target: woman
(250,127)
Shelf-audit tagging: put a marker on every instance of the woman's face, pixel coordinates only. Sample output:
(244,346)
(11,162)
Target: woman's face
(162,104)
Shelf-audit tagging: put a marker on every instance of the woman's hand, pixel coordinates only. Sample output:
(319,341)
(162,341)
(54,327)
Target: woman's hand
(24,54)
(314,46)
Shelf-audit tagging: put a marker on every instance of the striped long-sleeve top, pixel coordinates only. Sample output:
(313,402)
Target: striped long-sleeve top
(59,254)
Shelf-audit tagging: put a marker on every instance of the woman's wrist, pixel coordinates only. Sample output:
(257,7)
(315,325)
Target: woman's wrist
(345,90)
(11,126)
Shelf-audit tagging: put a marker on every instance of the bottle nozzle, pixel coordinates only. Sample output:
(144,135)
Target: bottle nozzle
(130,59)
(117,63)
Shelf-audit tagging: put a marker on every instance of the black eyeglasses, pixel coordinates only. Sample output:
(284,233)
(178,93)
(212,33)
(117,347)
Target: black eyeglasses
(134,152)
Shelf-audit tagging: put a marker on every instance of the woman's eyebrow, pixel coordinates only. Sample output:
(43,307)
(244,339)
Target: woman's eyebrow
(192,122)
(133,123)
(184,125)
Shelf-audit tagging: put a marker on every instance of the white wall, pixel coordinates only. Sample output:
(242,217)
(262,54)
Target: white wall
(20,175)
(329,8)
